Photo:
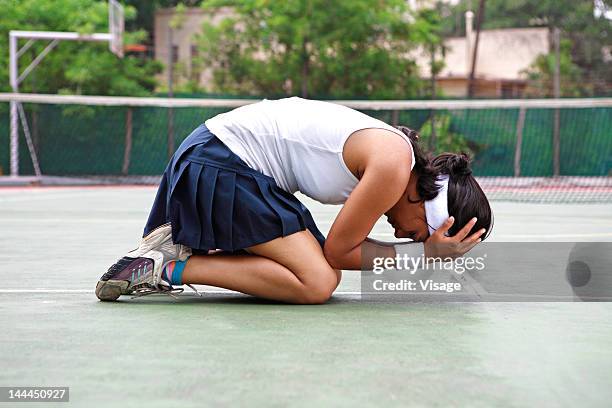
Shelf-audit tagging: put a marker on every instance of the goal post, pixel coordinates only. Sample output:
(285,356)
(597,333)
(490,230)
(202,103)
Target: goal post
(114,37)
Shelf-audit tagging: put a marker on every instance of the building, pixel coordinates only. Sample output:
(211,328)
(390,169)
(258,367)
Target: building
(502,57)
(184,36)
(502,54)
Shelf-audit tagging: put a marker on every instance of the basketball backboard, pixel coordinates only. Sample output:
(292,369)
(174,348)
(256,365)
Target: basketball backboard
(116,27)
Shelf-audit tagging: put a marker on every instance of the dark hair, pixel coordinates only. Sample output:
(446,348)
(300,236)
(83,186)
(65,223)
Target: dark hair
(426,185)
(465,196)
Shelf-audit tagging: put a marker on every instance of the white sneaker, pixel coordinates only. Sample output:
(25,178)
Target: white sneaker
(140,270)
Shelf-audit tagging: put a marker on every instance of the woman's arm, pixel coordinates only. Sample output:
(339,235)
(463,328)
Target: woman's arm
(438,245)
(385,177)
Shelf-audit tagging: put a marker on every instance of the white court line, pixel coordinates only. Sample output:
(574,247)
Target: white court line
(479,294)
(80,220)
(592,234)
(89,291)
(46,291)
(22,198)
(41,196)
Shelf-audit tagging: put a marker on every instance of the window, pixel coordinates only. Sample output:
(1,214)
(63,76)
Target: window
(175,54)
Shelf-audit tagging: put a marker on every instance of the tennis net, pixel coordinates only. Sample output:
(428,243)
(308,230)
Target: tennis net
(523,150)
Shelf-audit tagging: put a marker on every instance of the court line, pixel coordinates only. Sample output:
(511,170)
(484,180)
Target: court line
(21,198)
(46,291)
(80,220)
(544,236)
(40,189)
(491,297)
(231,292)
(90,291)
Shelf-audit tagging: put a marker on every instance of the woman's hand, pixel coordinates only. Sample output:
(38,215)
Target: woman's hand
(438,245)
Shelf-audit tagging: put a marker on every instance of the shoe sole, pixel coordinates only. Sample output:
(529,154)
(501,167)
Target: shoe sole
(110,290)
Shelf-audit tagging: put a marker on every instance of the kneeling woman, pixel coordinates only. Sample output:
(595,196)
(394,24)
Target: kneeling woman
(225,214)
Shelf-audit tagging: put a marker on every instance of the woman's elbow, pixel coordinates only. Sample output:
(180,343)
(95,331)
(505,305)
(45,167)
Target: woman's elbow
(334,258)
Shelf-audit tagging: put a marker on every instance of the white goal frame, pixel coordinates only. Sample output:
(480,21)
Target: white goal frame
(115,39)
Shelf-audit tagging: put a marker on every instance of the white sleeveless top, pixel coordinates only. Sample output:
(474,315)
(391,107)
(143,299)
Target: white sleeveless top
(298,142)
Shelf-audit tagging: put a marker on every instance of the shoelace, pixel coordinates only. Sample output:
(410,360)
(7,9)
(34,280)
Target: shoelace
(147,289)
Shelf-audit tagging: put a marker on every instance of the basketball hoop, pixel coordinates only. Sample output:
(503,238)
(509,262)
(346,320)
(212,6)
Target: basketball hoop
(114,37)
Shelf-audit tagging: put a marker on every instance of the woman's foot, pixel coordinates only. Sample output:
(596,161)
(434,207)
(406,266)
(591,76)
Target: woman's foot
(140,270)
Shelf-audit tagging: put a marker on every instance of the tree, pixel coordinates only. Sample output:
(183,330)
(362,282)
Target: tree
(74,67)
(587,30)
(146,12)
(540,75)
(446,139)
(315,48)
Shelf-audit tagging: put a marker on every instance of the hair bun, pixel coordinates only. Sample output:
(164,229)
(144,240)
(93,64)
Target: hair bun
(460,165)
(453,164)
(413,135)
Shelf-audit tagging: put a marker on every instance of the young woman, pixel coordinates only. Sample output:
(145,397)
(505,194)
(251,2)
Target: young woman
(225,214)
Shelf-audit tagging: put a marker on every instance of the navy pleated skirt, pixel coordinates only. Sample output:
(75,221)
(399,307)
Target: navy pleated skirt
(214,200)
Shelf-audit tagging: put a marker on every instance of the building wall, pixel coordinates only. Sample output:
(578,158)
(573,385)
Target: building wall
(483,88)
(452,87)
(502,56)
(502,53)
(183,38)
(420,4)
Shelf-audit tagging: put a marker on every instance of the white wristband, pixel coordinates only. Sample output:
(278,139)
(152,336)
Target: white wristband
(410,249)
(410,256)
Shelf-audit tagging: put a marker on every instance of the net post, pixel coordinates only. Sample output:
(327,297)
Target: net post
(520,124)
(432,136)
(29,142)
(14,141)
(127,153)
(395,117)
(14,133)
(556,144)
(557,95)
(170,69)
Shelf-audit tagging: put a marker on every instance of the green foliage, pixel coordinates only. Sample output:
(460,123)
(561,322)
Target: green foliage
(446,140)
(344,48)
(566,14)
(74,67)
(541,74)
(433,42)
(145,19)
(586,33)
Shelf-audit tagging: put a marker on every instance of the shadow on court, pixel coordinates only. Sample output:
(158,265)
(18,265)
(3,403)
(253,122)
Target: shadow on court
(212,350)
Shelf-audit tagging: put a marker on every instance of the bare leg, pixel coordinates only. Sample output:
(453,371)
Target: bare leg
(299,274)
(251,274)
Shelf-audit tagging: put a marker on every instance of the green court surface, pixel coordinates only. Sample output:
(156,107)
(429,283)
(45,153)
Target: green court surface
(229,349)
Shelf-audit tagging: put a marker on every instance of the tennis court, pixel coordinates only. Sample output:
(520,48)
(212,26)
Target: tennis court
(221,347)
(95,104)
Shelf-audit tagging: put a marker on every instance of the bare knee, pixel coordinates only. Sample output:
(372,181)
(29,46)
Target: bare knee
(316,293)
